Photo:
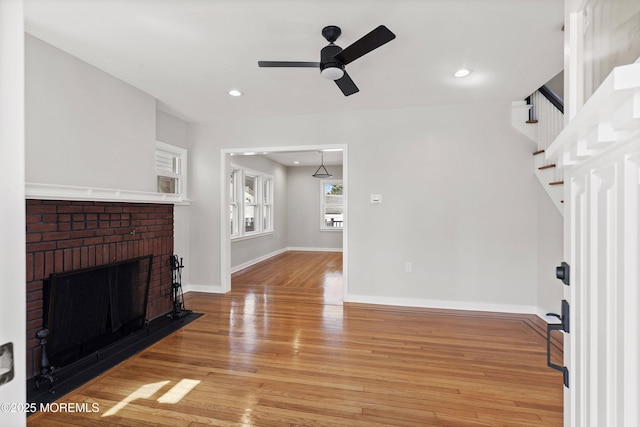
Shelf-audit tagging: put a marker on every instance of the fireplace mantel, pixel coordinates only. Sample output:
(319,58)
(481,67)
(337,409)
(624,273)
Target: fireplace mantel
(70,192)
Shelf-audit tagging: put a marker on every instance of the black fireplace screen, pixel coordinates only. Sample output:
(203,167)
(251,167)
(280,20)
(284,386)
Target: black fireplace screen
(90,308)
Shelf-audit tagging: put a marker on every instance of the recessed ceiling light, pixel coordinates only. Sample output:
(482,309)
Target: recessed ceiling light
(296,162)
(235,92)
(250,153)
(463,72)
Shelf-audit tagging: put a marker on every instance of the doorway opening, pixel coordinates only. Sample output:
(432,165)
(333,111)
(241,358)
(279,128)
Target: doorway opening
(227,158)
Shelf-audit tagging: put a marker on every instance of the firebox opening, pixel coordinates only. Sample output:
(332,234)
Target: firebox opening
(91,308)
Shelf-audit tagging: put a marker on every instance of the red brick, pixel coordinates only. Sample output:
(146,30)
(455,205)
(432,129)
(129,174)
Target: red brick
(68,259)
(34,296)
(31,218)
(94,209)
(59,260)
(92,256)
(67,209)
(42,227)
(76,258)
(33,237)
(42,246)
(112,239)
(82,234)
(93,241)
(38,266)
(29,267)
(49,264)
(34,286)
(74,243)
(57,235)
(84,257)
(36,209)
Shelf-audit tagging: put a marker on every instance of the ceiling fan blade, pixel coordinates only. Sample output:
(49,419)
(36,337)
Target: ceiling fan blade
(366,44)
(346,85)
(298,64)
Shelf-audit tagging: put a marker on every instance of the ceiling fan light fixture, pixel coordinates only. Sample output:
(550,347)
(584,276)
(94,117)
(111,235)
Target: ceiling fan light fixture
(332,73)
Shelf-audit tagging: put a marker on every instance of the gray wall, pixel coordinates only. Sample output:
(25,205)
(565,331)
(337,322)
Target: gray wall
(85,127)
(172,130)
(245,251)
(304,210)
(459,201)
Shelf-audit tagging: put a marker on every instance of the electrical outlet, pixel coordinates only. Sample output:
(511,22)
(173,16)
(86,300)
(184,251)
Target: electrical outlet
(408,267)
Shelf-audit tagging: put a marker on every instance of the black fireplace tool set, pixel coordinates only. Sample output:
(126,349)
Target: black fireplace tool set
(177,296)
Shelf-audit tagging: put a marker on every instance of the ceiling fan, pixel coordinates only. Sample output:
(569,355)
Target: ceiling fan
(333,58)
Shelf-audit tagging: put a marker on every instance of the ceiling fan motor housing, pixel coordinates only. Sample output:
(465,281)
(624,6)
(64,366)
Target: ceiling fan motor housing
(327,57)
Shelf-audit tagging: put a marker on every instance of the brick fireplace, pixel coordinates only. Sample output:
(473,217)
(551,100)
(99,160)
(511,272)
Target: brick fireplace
(69,235)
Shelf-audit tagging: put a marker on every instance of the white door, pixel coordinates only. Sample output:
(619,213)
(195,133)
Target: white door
(599,151)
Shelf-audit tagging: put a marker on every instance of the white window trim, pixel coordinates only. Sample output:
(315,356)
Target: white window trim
(241,173)
(181,154)
(323,226)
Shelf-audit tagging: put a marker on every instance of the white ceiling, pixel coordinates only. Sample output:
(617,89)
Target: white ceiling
(189,53)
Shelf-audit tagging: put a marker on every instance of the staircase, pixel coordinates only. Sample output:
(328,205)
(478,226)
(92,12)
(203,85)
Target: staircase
(541,118)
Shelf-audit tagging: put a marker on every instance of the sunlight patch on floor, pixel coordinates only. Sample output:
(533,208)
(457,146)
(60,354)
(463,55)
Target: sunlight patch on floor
(174,395)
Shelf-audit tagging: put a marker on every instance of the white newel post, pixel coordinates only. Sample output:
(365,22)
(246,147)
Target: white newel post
(600,152)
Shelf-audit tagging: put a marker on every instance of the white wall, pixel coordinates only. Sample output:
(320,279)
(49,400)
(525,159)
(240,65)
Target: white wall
(550,254)
(171,129)
(12,249)
(85,127)
(246,251)
(459,201)
(304,210)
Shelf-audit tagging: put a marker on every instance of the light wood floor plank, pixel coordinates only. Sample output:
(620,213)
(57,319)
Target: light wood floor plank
(281,349)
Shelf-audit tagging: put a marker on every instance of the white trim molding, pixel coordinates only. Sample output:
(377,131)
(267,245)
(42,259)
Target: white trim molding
(70,192)
(607,119)
(208,289)
(443,304)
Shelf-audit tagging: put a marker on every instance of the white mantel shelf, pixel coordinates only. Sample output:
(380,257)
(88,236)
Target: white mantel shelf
(610,117)
(68,192)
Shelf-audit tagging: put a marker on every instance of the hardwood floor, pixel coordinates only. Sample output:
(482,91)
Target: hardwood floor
(282,350)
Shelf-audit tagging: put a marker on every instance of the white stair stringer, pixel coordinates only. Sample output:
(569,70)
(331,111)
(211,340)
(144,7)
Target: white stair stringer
(548,124)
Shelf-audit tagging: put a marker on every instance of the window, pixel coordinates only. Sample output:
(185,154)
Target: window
(331,204)
(234,213)
(171,169)
(250,203)
(250,200)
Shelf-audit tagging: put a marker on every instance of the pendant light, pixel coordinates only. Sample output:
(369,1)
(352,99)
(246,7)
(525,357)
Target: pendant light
(319,172)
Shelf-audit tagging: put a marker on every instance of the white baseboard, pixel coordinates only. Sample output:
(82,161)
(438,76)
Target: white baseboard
(257,260)
(443,304)
(297,248)
(278,252)
(210,289)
